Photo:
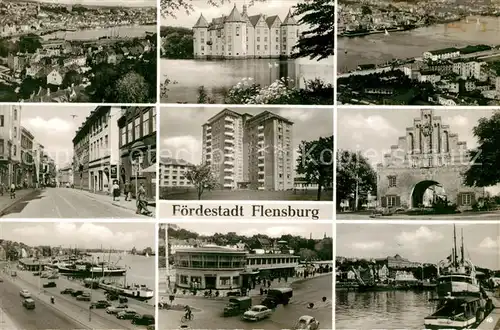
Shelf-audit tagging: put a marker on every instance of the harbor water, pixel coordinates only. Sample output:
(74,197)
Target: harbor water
(118,31)
(381,48)
(382,310)
(219,75)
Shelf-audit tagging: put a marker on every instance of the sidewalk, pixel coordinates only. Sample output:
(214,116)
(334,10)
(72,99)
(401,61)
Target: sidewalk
(106,198)
(5,322)
(6,201)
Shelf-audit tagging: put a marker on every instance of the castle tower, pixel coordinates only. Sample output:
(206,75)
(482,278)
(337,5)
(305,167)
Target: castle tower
(289,34)
(235,35)
(200,38)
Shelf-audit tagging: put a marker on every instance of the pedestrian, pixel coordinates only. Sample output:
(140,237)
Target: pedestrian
(141,200)
(116,191)
(2,188)
(12,191)
(128,189)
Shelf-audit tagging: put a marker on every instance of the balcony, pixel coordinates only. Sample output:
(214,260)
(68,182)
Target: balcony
(227,133)
(228,148)
(261,157)
(260,144)
(228,169)
(261,172)
(260,127)
(261,180)
(229,141)
(209,134)
(260,135)
(229,126)
(229,119)
(228,177)
(229,162)
(228,185)
(261,188)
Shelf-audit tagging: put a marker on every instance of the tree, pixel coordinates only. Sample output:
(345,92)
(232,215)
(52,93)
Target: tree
(483,171)
(72,77)
(315,162)
(103,82)
(318,41)
(353,168)
(132,88)
(170,7)
(30,85)
(29,43)
(201,178)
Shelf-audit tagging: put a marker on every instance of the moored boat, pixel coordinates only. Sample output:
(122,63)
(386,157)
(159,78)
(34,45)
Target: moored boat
(88,269)
(138,292)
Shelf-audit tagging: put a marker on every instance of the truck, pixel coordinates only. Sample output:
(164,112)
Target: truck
(277,296)
(237,306)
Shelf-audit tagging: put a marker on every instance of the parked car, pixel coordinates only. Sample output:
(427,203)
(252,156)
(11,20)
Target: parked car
(257,312)
(100,304)
(29,303)
(44,275)
(25,293)
(127,314)
(50,285)
(77,293)
(145,319)
(307,322)
(116,309)
(37,273)
(53,277)
(83,297)
(67,291)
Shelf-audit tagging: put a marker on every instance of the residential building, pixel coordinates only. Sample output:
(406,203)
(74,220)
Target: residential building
(27,160)
(10,144)
(242,36)
(54,78)
(38,151)
(172,173)
(48,170)
(137,127)
(442,54)
(81,157)
(65,176)
(249,152)
(104,153)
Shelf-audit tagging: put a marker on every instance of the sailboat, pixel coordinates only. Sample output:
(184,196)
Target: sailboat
(461,302)
(386,32)
(147,255)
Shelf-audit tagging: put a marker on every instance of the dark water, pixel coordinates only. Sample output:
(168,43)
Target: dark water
(381,310)
(379,48)
(120,31)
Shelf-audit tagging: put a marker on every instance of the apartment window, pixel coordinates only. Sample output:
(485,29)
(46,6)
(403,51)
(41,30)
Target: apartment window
(130,131)
(277,39)
(145,123)
(258,47)
(392,181)
(265,47)
(237,30)
(137,128)
(466,199)
(15,114)
(106,141)
(265,39)
(153,111)
(258,31)
(284,39)
(392,201)
(258,39)
(15,151)
(277,31)
(15,132)
(202,41)
(202,33)
(277,47)
(2,147)
(229,48)
(124,136)
(228,39)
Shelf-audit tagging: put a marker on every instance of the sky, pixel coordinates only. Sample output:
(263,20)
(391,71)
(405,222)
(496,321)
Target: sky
(82,235)
(180,129)
(249,229)
(269,8)
(54,128)
(117,3)
(429,243)
(376,130)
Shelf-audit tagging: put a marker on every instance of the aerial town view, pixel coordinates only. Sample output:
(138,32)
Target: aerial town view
(246,154)
(252,52)
(68,276)
(426,52)
(245,276)
(92,51)
(77,162)
(418,164)
(401,276)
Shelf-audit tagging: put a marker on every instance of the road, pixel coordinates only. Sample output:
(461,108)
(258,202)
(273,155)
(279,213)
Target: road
(67,203)
(471,216)
(207,312)
(42,317)
(33,284)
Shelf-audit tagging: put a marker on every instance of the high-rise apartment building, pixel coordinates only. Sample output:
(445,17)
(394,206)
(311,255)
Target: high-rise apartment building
(249,152)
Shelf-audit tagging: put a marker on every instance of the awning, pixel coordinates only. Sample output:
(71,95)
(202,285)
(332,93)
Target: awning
(150,169)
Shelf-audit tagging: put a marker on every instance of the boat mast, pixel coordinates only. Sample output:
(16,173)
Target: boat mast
(462,248)
(455,246)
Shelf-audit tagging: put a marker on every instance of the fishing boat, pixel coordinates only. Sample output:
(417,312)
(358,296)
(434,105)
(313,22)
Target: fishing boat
(138,292)
(461,302)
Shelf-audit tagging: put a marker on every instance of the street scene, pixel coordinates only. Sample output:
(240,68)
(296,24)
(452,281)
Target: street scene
(78,51)
(77,162)
(67,276)
(418,164)
(403,276)
(246,154)
(245,276)
(255,52)
(429,52)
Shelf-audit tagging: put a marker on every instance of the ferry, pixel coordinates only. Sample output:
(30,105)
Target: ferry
(138,292)
(89,269)
(462,303)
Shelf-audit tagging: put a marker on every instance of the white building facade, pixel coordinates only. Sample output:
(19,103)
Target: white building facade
(242,36)
(173,173)
(10,143)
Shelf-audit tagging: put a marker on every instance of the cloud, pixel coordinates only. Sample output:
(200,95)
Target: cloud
(277,231)
(420,236)
(489,243)
(182,147)
(458,120)
(297,114)
(369,125)
(52,125)
(374,245)
(33,231)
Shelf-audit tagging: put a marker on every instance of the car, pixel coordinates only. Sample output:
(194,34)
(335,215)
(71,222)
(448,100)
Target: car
(116,309)
(257,312)
(307,322)
(83,297)
(44,275)
(77,293)
(145,319)
(67,291)
(127,314)
(100,304)
(25,293)
(29,303)
(50,285)
(37,273)
(53,277)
